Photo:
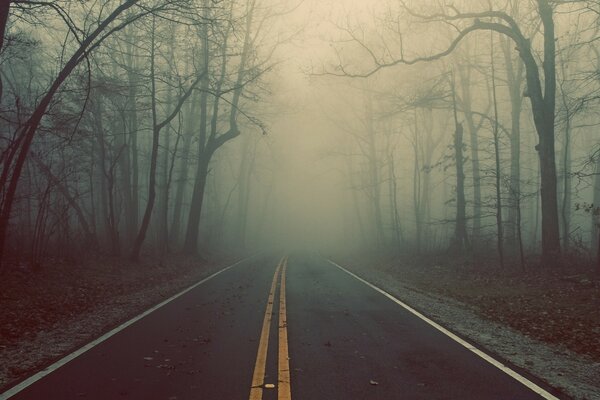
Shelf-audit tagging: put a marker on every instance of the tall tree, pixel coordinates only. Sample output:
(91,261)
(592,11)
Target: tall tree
(212,135)
(541,90)
(596,212)
(372,156)
(461,240)
(156,129)
(514,76)
(465,73)
(498,170)
(4,12)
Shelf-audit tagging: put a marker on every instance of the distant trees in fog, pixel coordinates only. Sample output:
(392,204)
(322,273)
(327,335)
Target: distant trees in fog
(469,127)
(112,113)
(489,75)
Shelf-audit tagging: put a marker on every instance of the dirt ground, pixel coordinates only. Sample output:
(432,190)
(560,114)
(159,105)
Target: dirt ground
(545,321)
(49,312)
(559,306)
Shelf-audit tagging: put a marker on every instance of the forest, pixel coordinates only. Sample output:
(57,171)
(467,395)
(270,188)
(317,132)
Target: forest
(158,127)
(449,145)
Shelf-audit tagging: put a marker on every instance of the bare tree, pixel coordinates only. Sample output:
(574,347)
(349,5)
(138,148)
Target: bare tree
(156,129)
(495,130)
(212,135)
(461,240)
(13,166)
(541,90)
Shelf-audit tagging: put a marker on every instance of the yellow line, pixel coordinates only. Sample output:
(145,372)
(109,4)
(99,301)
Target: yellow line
(258,378)
(284,390)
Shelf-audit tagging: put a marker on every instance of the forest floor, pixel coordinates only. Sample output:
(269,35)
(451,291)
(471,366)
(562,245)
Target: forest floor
(49,312)
(544,321)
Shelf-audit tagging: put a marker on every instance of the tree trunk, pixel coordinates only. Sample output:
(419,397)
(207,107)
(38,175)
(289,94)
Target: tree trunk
(515,83)
(190,245)
(543,105)
(182,177)
(393,188)
(112,222)
(374,184)
(465,78)
(428,150)
(245,172)
(417,187)
(596,212)
(137,244)
(163,201)
(567,186)
(460,241)
(103,194)
(208,145)
(565,209)
(129,167)
(193,221)
(499,221)
(163,208)
(536,212)
(4,11)
(357,209)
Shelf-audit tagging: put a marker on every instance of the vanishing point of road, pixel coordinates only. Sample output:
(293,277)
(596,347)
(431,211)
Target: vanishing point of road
(280,328)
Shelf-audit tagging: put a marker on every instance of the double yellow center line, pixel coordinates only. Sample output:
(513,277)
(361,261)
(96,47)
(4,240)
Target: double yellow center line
(283,364)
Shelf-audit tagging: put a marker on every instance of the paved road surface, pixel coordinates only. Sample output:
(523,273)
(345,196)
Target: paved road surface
(270,328)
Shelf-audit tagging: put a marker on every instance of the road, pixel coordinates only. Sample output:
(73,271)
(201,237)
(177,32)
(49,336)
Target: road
(280,328)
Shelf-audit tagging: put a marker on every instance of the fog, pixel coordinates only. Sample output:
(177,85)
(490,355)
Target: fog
(205,127)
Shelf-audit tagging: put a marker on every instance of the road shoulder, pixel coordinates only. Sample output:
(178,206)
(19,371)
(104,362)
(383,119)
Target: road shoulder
(576,375)
(96,309)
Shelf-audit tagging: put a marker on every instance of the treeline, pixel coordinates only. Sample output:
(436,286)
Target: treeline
(114,116)
(474,128)
(467,127)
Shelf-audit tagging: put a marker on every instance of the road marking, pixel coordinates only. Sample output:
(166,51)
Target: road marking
(258,378)
(502,367)
(48,370)
(284,391)
(283,359)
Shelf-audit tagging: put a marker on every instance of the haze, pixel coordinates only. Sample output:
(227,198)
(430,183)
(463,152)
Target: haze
(325,157)
(450,147)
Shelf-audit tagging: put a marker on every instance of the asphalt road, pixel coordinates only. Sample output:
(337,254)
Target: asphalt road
(272,328)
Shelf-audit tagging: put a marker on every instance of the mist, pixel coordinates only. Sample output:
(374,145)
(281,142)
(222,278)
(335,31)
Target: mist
(159,157)
(328,125)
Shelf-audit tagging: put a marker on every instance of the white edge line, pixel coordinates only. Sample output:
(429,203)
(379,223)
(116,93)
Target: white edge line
(48,370)
(537,389)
